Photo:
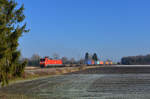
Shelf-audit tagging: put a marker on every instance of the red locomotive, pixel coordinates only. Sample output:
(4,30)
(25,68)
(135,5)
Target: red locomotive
(45,62)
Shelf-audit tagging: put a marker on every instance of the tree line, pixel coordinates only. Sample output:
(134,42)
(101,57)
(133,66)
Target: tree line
(136,60)
(35,59)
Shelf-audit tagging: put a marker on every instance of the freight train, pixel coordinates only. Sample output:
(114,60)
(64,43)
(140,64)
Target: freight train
(46,62)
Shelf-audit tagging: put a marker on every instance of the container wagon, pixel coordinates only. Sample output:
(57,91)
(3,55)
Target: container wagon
(108,63)
(91,62)
(101,63)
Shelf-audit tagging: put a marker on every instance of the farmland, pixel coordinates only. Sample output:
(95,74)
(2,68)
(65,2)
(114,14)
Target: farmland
(110,82)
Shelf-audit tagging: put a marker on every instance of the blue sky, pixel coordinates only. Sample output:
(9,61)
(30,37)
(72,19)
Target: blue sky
(111,28)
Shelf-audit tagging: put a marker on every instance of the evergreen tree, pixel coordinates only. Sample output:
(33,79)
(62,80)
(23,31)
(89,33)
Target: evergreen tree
(11,29)
(94,57)
(86,56)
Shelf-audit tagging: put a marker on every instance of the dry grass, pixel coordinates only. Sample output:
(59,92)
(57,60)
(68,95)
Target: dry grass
(31,68)
(35,72)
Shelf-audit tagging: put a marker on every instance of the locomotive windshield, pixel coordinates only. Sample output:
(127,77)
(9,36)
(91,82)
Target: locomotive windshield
(42,60)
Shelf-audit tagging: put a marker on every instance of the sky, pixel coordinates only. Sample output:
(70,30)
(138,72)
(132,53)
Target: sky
(110,28)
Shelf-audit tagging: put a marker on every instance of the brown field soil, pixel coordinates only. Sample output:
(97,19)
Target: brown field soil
(110,82)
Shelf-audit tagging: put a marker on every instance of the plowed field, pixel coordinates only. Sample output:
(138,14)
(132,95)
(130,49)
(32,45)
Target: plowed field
(111,82)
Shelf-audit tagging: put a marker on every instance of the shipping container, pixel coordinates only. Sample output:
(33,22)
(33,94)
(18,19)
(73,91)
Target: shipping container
(89,62)
(106,63)
(98,62)
(93,62)
(101,63)
(111,63)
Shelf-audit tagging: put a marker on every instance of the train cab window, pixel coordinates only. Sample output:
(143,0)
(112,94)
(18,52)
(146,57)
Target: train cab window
(42,60)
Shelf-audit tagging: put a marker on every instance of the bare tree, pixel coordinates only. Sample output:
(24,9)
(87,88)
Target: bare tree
(64,60)
(35,57)
(81,61)
(34,60)
(56,56)
(72,60)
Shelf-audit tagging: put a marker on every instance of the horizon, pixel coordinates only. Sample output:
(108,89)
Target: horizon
(112,29)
